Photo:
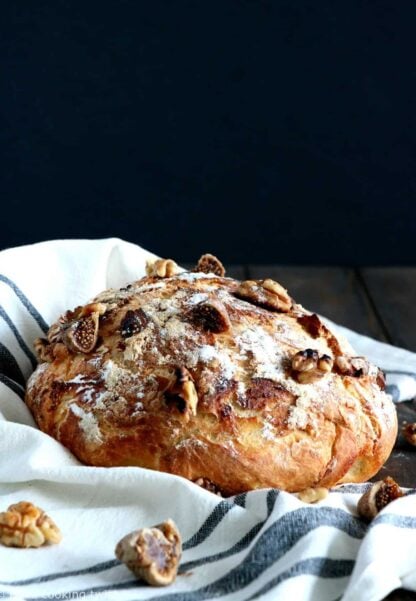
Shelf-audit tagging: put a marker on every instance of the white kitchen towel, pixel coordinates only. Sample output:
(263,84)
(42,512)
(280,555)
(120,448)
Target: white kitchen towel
(264,544)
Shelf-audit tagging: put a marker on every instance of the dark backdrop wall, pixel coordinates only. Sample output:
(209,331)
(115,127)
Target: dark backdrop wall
(264,131)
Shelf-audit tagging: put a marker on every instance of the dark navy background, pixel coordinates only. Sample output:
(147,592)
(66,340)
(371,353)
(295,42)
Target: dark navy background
(264,131)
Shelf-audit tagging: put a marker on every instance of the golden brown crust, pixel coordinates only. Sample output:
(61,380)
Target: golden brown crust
(184,375)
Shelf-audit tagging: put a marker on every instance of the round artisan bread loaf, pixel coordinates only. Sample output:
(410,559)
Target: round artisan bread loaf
(228,383)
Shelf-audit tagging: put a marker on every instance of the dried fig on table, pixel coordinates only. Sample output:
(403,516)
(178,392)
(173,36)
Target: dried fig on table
(377,497)
(409,433)
(152,554)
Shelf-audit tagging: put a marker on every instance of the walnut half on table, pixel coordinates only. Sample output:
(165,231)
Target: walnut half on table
(25,525)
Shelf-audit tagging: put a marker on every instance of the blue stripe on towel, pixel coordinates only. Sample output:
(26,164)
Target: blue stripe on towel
(26,302)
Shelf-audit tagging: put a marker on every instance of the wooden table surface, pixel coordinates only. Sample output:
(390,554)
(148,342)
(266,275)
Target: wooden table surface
(379,302)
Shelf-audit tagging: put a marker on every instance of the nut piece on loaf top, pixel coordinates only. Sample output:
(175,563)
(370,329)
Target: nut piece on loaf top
(207,377)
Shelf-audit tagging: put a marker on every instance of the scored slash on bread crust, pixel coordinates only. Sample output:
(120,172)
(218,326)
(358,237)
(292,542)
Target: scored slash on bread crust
(207,377)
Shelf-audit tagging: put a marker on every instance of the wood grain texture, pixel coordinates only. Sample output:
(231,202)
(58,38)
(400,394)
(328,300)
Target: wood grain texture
(393,292)
(335,292)
(401,464)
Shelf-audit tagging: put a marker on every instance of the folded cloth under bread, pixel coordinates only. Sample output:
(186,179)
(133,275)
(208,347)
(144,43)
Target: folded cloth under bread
(263,544)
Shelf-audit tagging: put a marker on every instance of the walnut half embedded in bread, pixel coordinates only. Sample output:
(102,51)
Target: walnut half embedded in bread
(204,376)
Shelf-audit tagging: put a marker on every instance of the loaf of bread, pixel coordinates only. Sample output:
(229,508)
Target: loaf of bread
(227,383)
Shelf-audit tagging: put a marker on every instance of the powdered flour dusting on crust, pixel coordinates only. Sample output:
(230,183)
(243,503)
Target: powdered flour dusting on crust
(197,298)
(88,424)
(268,431)
(190,276)
(33,378)
(225,364)
(263,351)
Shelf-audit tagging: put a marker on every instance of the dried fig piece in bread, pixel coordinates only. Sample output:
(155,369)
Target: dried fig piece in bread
(81,336)
(133,322)
(211,316)
(314,326)
(210,264)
